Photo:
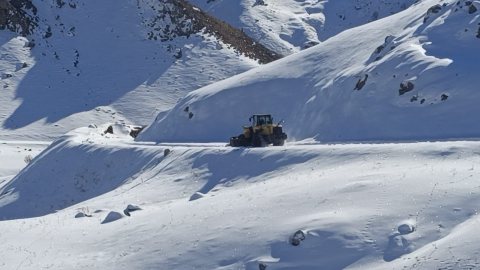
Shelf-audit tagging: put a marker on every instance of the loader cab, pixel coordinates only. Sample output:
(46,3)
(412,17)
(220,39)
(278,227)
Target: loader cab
(261,119)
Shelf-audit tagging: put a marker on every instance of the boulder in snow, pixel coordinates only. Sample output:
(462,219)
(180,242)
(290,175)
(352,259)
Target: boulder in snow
(298,237)
(406,87)
(109,130)
(80,215)
(406,227)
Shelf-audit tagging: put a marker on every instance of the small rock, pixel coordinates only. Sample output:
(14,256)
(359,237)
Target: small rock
(472,9)
(178,53)
(414,98)
(24,65)
(72,5)
(262,266)
(60,3)
(166,152)
(444,97)
(190,115)
(406,227)
(133,208)
(435,9)
(80,215)
(405,87)
(361,83)
(109,130)
(186,109)
(135,131)
(298,237)
(30,44)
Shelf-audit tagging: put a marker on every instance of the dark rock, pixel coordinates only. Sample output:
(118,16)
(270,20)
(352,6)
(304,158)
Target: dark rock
(186,109)
(262,266)
(60,3)
(377,53)
(166,152)
(72,5)
(184,19)
(310,44)
(109,130)
(30,44)
(444,97)
(405,87)
(361,83)
(435,9)
(190,115)
(422,101)
(298,237)
(13,16)
(135,131)
(178,53)
(472,9)
(24,65)
(414,98)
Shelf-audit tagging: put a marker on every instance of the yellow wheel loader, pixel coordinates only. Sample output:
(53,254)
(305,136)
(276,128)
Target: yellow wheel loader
(262,133)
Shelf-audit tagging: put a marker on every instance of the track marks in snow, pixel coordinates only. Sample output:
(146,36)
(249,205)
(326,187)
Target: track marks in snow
(368,232)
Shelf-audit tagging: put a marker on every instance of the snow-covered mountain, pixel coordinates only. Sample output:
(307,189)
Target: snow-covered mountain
(406,77)
(78,66)
(287,26)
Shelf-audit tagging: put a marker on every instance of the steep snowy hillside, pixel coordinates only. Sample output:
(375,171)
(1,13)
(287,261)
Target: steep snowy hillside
(287,26)
(207,206)
(405,77)
(84,63)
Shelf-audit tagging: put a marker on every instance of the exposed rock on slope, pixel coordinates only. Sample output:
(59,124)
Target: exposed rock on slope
(14,17)
(180,18)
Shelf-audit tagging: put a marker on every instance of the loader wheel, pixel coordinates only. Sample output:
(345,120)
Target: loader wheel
(242,141)
(234,142)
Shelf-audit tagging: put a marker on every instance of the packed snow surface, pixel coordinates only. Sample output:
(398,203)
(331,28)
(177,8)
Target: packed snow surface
(406,77)
(208,206)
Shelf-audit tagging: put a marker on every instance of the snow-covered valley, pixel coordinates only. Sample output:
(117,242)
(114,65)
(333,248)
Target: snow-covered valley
(379,170)
(207,206)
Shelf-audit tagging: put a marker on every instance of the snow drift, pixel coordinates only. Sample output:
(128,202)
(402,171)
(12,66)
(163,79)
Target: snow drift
(406,77)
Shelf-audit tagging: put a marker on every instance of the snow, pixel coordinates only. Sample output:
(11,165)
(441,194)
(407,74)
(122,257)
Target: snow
(120,75)
(13,154)
(313,90)
(350,200)
(362,174)
(288,26)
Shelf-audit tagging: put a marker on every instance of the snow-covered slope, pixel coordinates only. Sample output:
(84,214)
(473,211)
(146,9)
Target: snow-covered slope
(91,65)
(287,26)
(207,206)
(406,77)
